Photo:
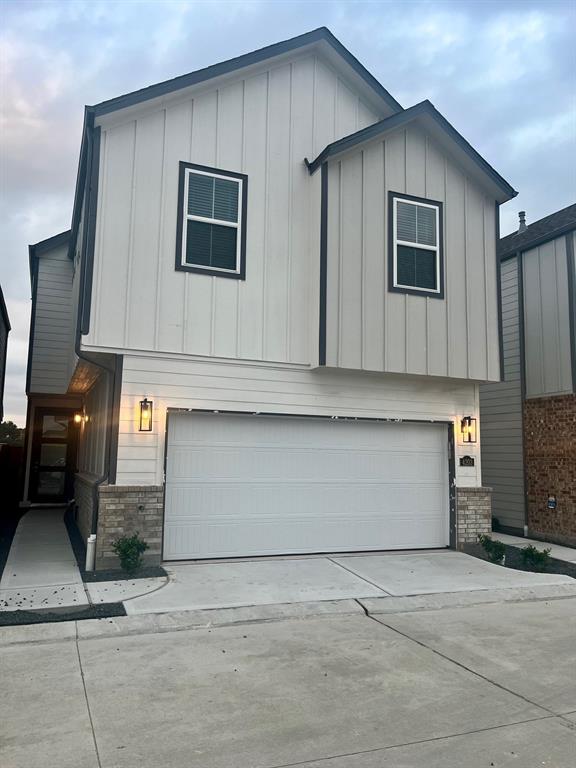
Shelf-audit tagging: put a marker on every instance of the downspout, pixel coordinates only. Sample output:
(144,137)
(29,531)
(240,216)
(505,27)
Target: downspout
(91,183)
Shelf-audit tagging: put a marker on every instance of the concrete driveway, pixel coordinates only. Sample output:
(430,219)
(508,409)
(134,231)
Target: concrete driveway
(199,586)
(476,686)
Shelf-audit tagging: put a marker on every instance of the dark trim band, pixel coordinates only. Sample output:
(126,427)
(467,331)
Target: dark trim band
(247,60)
(323,263)
(571,265)
(499,291)
(91,208)
(424,108)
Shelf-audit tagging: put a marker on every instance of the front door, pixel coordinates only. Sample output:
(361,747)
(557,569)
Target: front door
(53,455)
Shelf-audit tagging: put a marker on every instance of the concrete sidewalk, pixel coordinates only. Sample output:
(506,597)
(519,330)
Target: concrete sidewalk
(41,570)
(470,686)
(558,552)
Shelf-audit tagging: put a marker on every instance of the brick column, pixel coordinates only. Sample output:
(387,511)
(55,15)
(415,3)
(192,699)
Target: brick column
(124,510)
(473,514)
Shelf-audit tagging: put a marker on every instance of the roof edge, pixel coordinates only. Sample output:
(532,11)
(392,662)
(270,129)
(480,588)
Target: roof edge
(245,60)
(508,253)
(4,310)
(395,121)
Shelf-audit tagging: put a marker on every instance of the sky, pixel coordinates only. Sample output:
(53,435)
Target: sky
(503,73)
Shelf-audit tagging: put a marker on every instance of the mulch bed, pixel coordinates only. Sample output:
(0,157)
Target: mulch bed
(513,559)
(105,611)
(115,574)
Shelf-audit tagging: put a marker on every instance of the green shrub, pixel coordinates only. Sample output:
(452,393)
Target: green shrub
(535,559)
(129,549)
(494,549)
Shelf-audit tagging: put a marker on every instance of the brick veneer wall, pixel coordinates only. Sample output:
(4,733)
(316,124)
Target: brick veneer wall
(473,514)
(127,509)
(550,460)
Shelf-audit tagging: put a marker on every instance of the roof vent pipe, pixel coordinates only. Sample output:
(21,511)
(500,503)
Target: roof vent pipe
(522,217)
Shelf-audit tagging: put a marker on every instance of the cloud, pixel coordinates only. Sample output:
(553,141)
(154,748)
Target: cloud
(553,130)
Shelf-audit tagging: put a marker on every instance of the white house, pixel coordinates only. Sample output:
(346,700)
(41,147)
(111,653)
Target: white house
(266,329)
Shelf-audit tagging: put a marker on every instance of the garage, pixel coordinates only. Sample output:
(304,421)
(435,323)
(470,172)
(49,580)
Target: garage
(244,485)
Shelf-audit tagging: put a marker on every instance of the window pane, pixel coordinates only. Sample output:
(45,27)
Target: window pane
(209,245)
(406,222)
(53,454)
(55,426)
(225,200)
(51,483)
(426,225)
(416,268)
(198,243)
(224,247)
(200,195)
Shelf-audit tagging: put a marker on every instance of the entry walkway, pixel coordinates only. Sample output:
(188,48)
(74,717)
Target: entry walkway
(568,554)
(41,570)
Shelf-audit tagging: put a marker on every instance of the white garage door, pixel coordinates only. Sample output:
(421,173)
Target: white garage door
(259,485)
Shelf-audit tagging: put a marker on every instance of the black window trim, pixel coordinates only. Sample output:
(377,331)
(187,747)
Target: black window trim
(439,294)
(240,274)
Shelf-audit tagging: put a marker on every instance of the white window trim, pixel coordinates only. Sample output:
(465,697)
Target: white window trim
(237,225)
(397,242)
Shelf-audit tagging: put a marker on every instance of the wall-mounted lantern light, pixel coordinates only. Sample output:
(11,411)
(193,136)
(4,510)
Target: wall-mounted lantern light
(468,429)
(145,415)
(78,419)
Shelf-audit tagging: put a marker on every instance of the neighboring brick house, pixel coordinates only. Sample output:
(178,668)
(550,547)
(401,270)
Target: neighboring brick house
(529,419)
(265,330)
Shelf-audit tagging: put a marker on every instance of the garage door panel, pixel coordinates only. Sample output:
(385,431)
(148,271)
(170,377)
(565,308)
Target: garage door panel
(225,464)
(330,535)
(302,485)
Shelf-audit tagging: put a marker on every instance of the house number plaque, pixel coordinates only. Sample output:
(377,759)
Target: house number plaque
(467,461)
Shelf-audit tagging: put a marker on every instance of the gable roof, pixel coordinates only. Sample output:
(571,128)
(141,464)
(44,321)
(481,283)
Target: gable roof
(424,111)
(319,36)
(543,230)
(4,311)
(36,250)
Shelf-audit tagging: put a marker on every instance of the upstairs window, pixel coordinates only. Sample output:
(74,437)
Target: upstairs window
(416,264)
(211,235)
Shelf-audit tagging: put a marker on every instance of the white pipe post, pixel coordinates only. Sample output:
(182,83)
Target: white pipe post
(91,552)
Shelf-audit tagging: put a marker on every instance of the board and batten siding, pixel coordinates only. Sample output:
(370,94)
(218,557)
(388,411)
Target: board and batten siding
(547,320)
(54,322)
(369,327)
(501,414)
(177,382)
(93,435)
(263,125)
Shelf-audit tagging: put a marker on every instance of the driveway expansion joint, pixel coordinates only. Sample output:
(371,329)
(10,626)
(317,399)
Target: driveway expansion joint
(89,711)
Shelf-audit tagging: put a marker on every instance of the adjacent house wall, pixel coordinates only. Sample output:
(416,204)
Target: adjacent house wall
(263,125)
(501,414)
(219,385)
(54,323)
(369,327)
(547,320)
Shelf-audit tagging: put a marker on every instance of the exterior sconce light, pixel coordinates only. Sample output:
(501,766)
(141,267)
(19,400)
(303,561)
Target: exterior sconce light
(468,429)
(145,415)
(78,419)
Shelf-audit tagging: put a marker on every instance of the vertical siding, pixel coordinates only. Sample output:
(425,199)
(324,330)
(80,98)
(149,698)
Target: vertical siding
(547,320)
(92,447)
(54,324)
(263,125)
(369,327)
(501,414)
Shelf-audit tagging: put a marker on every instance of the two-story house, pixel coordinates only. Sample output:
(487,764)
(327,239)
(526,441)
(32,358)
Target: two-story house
(267,326)
(529,419)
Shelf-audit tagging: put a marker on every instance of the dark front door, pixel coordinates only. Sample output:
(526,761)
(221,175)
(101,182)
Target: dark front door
(53,455)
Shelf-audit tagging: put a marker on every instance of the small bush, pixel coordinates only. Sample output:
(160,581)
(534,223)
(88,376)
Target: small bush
(535,559)
(129,549)
(494,549)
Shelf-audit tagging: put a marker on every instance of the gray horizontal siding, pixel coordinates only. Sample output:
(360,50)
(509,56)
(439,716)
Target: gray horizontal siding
(501,415)
(53,324)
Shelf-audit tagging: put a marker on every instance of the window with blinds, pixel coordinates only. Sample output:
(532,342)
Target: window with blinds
(416,246)
(211,221)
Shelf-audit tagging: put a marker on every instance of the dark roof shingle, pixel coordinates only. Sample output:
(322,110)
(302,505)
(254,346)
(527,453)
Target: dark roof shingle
(540,232)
